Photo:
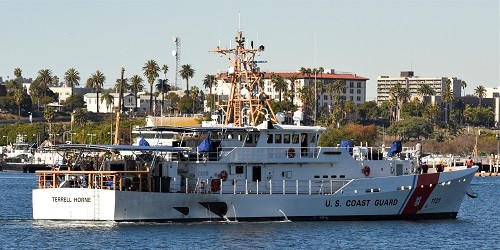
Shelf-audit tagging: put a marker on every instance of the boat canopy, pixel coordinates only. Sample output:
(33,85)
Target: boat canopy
(396,147)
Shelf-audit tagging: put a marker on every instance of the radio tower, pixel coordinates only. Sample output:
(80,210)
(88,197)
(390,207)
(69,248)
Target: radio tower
(177,53)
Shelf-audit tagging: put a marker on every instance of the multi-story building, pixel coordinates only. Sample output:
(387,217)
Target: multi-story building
(407,79)
(91,100)
(355,86)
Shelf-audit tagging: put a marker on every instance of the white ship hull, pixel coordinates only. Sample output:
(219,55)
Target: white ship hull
(436,195)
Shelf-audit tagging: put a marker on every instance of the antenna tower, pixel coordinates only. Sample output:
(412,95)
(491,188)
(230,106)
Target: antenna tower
(177,54)
(247,101)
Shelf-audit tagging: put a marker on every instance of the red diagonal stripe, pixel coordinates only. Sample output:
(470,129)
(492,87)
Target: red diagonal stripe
(421,192)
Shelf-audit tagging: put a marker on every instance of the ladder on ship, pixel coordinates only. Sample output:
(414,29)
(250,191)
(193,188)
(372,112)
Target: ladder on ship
(97,204)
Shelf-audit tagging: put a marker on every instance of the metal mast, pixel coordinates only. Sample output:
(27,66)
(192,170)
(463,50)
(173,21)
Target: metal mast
(247,101)
(177,54)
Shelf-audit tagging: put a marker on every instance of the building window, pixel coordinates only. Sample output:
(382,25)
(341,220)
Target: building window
(325,97)
(351,91)
(351,84)
(358,98)
(358,91)
(359,84)
(351,98)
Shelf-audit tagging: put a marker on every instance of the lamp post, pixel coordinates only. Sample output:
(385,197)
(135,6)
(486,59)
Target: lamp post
(91,135)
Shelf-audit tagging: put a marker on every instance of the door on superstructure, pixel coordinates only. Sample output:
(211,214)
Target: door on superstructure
(256,173)
(303,144)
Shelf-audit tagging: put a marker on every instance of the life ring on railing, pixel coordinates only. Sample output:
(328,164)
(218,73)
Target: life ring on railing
(366,171)
(291,153)
(223,175)
(215,185)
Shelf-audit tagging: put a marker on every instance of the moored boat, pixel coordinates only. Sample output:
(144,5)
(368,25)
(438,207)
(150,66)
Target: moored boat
(237,168)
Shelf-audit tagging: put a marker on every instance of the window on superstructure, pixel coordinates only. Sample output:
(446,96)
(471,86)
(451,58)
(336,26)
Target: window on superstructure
(277,138)
(249,138)
(286,138)
(270,138)
(295,139)
(239,169)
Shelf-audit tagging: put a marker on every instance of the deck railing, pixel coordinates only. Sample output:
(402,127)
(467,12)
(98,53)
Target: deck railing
(115,180)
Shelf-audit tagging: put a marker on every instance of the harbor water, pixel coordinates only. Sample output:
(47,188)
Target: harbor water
(477,227)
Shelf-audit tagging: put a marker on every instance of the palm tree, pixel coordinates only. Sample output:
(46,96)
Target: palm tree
(426,90)
(336,91)
(193,93)
(151,70)
(45,77)
(164,69)
(125,86)
(186,73)
(18,73)
(209,82)
(55,81)
(72,78)
(279,84)
(448,98)
(480,92)
(394,92)
(95,82)
(18,97)
(136,85)
(108,99)
(49,115)
(292,80)
(463,84)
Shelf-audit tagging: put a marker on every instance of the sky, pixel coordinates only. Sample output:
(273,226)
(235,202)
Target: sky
(453,38)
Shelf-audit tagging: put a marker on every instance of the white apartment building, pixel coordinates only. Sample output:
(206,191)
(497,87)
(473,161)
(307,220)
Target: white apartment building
(407,79)
(92,102)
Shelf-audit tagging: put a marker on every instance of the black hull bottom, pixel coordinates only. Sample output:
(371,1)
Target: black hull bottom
(431,216)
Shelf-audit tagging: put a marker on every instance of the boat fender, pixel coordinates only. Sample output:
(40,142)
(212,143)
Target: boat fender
(366,171)
(291,153)
(223,175)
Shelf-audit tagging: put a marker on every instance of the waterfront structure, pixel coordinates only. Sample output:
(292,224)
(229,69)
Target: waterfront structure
(407,79)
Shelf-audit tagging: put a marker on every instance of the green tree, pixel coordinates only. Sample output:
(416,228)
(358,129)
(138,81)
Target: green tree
(448,99)
(72,78)
(292,80)
(18,74)
(410,128)
(185,104)
(151,70)
(463,84)
(108,99)
(426,90)
(49,116)
(136,86)
(186,72)
(173,101)
(279,84)
(74,101)
(368,110)
(95,82)
(480,92)
(209,82)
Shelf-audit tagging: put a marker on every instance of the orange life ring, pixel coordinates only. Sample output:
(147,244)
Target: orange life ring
(215,185)
(366,171)
(223,175)
(291,153)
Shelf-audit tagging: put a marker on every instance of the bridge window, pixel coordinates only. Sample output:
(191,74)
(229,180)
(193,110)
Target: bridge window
(295,138)
(286,138)
(270,138)
(277,138)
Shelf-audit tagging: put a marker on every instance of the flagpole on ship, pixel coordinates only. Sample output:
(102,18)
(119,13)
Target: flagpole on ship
(118,110)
